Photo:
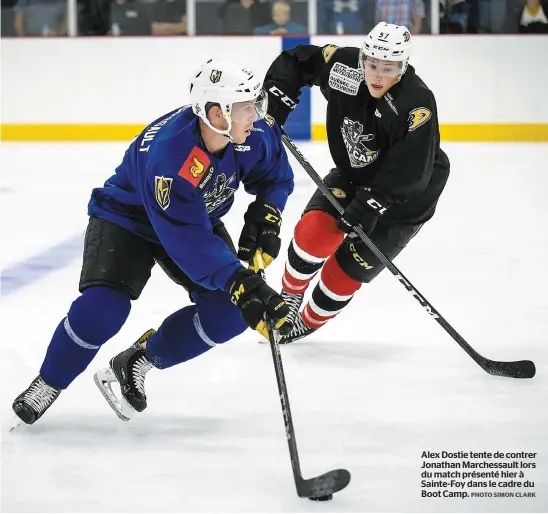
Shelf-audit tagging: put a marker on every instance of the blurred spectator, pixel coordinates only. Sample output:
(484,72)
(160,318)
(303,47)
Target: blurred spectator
(167,17)
(40,18)
(402,12)
(281,22)
(534,19)
(129,18)
(344,16)
(8,18)
(94,17)
(454,16)
(491,16)
(242,16)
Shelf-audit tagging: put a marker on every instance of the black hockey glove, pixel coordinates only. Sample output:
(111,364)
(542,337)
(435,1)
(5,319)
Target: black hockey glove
(255,298)
(261,230)
(364,210)
(280,104)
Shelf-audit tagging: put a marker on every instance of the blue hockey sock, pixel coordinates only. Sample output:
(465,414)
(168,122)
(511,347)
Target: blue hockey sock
(195,329)
(176,340)
(95,317)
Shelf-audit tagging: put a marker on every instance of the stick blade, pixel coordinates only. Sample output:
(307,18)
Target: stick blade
(514,369)
(324,485)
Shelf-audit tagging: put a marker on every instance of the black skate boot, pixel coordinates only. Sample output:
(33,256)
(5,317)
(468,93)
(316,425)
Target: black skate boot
(300,329)
(128,368)
(31,404)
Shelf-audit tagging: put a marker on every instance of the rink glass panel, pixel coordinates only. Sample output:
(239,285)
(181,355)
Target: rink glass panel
(245,17)
(135,18)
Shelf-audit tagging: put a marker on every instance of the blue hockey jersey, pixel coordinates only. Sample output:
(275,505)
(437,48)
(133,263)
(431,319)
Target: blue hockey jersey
(171,191)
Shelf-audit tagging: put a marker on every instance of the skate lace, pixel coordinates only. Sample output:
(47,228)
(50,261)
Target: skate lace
(294,302)
(299,330)
(299,327)
(40,395)
(140,368)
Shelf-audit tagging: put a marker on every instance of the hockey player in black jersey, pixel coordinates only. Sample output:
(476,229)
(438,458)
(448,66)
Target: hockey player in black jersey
(383,135)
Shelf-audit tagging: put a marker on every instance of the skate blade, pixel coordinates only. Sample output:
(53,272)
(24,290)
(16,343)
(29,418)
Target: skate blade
(103,379)
(14,423)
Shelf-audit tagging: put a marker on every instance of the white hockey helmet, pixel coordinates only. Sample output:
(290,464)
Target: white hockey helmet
(388,42)
(236,89)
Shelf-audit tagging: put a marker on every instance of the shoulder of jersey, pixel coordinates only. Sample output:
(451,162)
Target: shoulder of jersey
(177,128)
(420,102)
(348,55)
(178,147)
(413,101)
(264,131)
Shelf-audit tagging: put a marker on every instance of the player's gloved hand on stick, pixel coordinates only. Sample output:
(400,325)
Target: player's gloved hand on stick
(255,298)
(364,210)
(280,103)
(261,230)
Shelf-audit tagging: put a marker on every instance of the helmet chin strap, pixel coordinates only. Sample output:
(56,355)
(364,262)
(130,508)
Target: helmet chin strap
(226,132)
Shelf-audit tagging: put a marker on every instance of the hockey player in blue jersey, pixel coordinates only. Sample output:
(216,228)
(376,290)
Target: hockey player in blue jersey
(164,205)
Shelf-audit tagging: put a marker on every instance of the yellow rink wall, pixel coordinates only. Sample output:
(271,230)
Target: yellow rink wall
(107,89)
(481,132)
(532,132)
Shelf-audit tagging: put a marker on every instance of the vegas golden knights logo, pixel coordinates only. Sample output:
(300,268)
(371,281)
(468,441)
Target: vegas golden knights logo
(269,119)
(406,36)
(215,76)
(163,189)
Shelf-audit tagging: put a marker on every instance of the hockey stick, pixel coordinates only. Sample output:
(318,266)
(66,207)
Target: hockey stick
(319,488)
(514,369)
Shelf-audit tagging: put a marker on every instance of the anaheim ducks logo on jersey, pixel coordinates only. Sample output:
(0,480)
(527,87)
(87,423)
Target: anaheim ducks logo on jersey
(219,193)
(358,153)
(162,188)
(337,193)
(418,117)
(328,52)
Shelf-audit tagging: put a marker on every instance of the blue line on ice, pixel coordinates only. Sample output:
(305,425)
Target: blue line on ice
(38,266)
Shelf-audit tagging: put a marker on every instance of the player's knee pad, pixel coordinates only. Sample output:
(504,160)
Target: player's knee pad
(98,314)
(357,264)
(317,234)
(219,319)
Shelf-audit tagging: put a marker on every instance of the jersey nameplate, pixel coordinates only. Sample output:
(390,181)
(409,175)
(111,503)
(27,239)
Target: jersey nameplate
(345,79)
(196,167)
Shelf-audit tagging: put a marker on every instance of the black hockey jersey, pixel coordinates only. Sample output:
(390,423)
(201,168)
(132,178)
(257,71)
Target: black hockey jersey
(391,144)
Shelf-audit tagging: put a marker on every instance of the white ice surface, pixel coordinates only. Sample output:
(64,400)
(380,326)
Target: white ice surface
(369,392)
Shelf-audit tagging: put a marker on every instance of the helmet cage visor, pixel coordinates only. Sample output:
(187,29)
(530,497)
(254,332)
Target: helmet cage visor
(371,66)
(250,110)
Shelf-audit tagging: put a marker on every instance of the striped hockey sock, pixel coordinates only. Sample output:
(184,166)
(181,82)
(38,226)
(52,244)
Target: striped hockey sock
(316,237)
(333,292)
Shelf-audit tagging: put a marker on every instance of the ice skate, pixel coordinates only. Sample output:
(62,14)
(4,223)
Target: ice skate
(128,369)
(299,331)
(294,302)
(31,404)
